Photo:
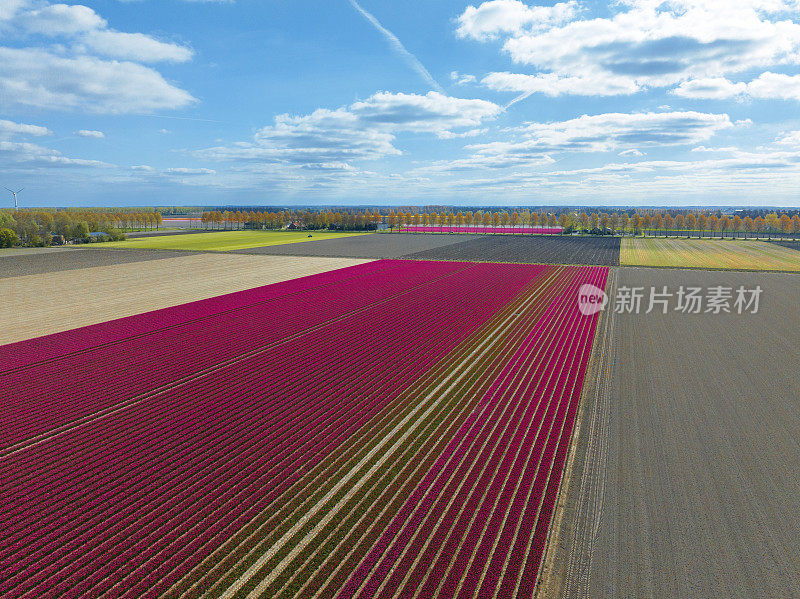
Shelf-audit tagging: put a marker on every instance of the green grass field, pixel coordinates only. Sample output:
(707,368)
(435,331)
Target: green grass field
(226,241)
(709,253)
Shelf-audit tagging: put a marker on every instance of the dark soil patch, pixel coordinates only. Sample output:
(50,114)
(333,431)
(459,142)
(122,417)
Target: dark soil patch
(76,259)
(529,249)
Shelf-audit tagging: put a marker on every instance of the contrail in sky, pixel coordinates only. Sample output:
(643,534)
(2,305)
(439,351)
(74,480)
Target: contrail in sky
(399,47)
(519,98)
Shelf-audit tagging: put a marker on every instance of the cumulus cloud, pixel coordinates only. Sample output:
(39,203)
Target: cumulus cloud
(364,130)
(503,17)
(61,60)
(33,155)
(710,88)
(90,133)
(611,131)
(536,143)
(37,77)
(9,129)
(768,85)
(552,84)
(136,46)
(694,44)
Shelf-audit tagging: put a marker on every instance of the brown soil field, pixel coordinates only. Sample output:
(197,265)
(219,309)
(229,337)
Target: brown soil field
(43,260)
(45,303)
(688,485)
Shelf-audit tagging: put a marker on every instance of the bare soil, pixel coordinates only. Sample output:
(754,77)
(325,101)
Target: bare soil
(530,249)
(701,495)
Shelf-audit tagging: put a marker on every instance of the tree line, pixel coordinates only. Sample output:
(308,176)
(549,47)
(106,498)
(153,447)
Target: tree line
(38,228)
(688,223)
(350,220)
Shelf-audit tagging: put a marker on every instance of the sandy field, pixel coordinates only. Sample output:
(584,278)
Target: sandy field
(41,304)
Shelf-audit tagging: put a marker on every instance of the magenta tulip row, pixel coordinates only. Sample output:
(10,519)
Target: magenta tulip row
(243,400)
(477,523)
(485,230)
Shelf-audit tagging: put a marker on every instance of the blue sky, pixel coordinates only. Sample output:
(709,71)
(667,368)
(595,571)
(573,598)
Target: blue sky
(579,102)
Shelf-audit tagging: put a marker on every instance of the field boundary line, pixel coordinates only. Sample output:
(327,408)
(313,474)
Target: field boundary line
(593,406)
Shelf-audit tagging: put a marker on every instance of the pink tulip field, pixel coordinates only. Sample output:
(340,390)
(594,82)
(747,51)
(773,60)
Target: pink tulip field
(397,428)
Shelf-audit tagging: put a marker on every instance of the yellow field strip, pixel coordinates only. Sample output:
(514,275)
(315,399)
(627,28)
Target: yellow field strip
(707,253)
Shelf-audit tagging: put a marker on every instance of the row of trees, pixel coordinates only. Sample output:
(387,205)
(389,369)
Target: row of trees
(36,228)
(350,220)
(686,223)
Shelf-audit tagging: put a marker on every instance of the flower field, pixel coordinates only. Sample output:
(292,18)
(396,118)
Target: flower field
(706,253)
(484,230)
(386,429)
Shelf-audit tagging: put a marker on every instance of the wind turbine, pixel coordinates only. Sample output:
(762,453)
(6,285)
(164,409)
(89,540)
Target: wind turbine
(14,193)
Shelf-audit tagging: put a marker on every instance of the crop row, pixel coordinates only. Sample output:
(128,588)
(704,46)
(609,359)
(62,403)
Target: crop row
(403,467)
(472,521)
(127,502)
(321,566)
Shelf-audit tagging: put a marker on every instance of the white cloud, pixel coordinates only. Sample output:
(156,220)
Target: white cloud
(491,19)
(696,44)
(190,171)
(460,79)
(90,133)
(35,77)
(142,168)
(791,138)
(431,112)
(552,84)
(60,19)
(705,149)
(611,131)
(60,61)
(364,130)
(27,154)
(710,88)
(768,85)
(10,129)
(135,46)
(536,143)
(9,8)
(468,133)
(775,85)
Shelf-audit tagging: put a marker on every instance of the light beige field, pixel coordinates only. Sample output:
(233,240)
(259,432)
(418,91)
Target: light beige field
(41,304)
